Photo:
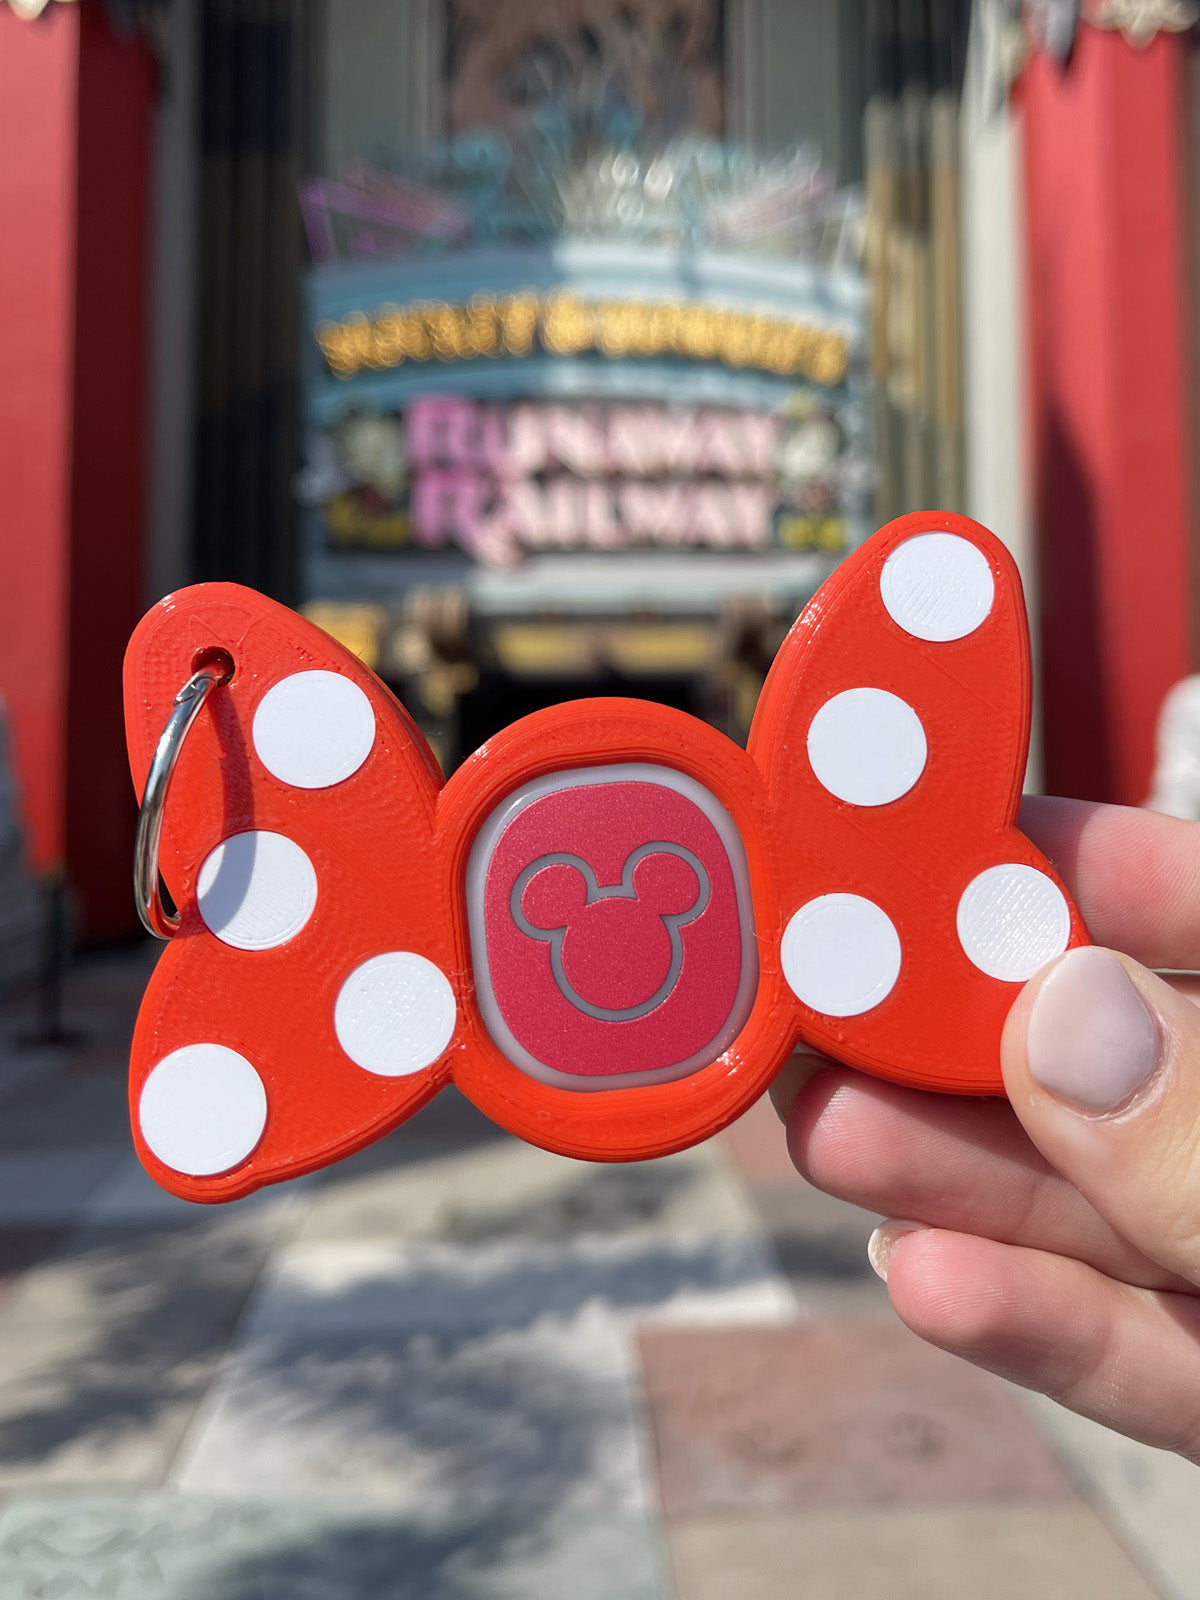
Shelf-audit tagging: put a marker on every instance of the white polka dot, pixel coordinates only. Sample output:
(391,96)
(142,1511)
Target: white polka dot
(395,1014)
(256,890)
(937,586)
(1012,920)
(867,746)
(203,1110)
(841,954)
(314,729)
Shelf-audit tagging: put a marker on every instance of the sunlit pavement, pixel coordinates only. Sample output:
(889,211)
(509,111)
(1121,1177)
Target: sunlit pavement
(457,1368)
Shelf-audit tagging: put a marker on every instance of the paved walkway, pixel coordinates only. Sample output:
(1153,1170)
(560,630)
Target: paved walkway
(455,1368)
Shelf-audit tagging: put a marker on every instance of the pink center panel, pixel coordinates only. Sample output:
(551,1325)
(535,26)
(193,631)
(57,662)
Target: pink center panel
(611,924)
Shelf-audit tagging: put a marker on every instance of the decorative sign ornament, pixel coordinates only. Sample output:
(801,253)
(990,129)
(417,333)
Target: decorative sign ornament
(999,47)
(1176,785)
(27,10)
(1140,20)
(1052,26)
(569,176)
(125,15)
(611,925)
(1006,28)
(507,60)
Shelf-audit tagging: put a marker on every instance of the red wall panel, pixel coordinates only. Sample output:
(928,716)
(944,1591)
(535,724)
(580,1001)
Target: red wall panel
(108,460)
(75,104)
(1108,337)
(38,145)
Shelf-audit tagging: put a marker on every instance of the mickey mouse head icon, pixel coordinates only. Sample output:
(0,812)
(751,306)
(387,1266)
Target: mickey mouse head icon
(611,927)
(607,942)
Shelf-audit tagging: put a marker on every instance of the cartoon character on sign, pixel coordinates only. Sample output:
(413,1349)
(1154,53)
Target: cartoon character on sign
(612,925)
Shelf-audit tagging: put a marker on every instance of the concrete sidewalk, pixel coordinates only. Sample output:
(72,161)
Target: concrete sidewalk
(457,1368)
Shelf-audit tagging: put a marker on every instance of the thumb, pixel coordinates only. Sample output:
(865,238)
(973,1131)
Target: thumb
(1101,1061)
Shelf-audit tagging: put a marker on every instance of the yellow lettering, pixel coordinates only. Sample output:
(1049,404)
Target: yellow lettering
(483,328)
(566,327)
(442,331)
(518,317)
(830,360)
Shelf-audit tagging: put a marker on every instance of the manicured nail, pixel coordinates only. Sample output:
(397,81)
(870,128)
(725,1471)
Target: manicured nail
(1092,1040)
(884,1240)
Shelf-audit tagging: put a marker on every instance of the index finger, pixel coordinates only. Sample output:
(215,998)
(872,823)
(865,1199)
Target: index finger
(1135,875)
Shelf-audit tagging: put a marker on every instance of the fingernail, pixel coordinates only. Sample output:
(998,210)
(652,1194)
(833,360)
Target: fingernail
(884,1240)
(1092,1040)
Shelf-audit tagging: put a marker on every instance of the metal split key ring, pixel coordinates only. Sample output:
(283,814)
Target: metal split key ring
(146,889)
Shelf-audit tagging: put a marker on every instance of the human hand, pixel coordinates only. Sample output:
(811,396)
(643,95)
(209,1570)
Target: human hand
(1054,1239)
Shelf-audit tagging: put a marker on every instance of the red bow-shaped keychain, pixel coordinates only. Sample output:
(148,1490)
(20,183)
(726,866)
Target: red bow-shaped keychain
(612,925)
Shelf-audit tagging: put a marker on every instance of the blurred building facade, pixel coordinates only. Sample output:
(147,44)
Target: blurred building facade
(1024,354)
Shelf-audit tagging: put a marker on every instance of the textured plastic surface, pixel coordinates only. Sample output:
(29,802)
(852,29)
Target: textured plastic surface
(612,925)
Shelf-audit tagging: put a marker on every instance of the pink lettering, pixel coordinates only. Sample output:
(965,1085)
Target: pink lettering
(446,505)
(564,512)
(524,514)
(708,519)
(526,452)
(654,512)
(632,445)
(440,431)
(750,508)
(576,439)
(601,530)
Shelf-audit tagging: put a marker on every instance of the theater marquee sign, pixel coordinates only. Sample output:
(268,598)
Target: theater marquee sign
(607,397)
